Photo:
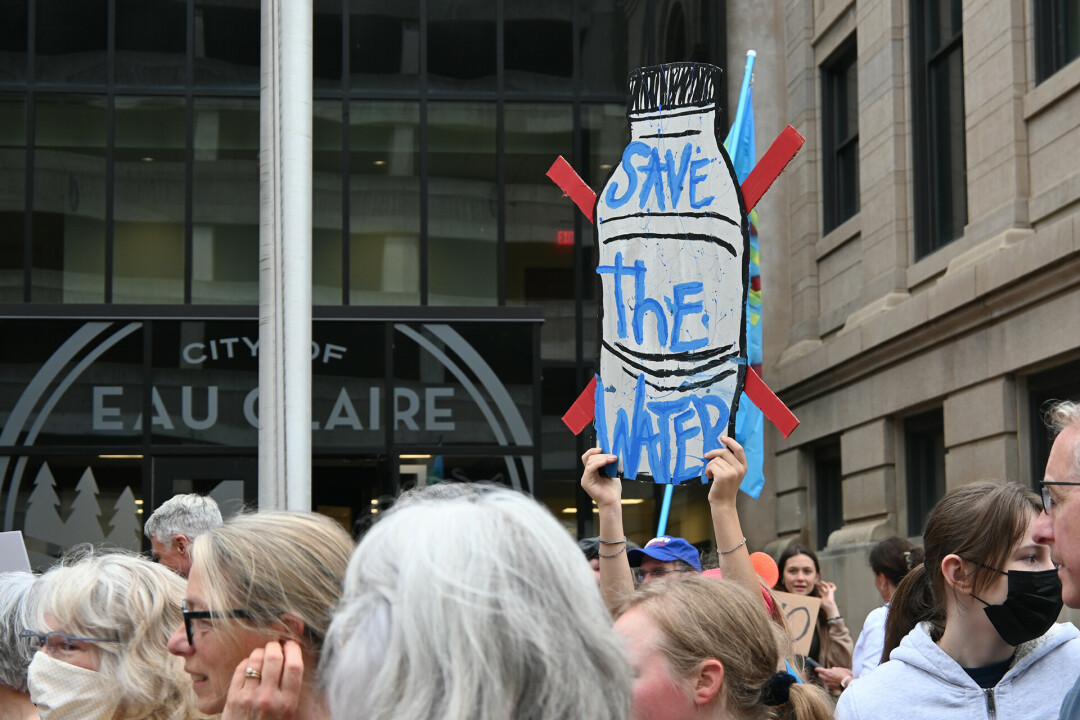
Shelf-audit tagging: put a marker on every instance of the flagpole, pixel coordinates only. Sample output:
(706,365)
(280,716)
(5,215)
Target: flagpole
(740,111)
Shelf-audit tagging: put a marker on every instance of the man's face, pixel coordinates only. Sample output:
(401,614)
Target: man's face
(174,555)
(653,570)
(1060,530)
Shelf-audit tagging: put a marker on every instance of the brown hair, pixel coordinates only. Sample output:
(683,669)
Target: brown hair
(701,618)
(894,558)
(981,523)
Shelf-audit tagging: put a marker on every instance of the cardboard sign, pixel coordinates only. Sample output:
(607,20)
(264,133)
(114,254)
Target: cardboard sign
(13,552)
(800,613)
(673,265)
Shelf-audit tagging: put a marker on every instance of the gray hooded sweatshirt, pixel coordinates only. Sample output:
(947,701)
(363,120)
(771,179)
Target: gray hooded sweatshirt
(921,681)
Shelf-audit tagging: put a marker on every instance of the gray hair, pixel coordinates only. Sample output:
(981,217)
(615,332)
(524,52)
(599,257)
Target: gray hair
(1062,414)
(190,515)
(15,588)
(475,605)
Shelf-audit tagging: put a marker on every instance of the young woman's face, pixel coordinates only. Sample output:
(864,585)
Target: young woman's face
(800,576)
(656,694)
(218,646)
(1027,555)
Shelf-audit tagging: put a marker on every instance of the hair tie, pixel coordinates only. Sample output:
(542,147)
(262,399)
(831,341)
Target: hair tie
(777,689)
(907,559)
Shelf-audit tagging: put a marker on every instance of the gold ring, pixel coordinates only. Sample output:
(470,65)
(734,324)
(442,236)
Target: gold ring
(252,673)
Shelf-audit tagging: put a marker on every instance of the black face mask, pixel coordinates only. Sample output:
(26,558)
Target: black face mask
(1030,608)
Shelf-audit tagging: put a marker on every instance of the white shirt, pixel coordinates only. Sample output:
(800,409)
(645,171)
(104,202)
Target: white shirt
(871,642)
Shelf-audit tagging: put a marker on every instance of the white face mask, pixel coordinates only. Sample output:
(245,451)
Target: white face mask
(63,691)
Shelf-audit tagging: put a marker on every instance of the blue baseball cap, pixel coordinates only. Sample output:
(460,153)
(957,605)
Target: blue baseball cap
(666,548)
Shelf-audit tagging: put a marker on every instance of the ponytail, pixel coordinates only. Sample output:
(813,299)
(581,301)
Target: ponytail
(912,603)
(809,702)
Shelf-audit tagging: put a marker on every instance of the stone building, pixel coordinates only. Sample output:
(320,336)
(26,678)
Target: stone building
(921,258)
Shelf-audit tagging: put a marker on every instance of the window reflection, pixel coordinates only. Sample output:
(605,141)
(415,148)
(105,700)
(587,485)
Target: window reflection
(540,222)
(151,42)
(71,41)
(12,197)
(227,43)
(13,32)
(538,46)
(225,213)
(148,206)
(326,203)
(384,43)
(461,45)
(462,204)
(384,204)
(68,263)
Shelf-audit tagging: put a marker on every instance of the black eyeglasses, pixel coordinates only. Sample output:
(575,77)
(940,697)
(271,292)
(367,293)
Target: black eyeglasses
(56,641)
(190,615)
(1048,502)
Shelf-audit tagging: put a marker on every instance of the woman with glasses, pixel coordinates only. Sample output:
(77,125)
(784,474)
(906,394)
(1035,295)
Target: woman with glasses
(972,629)
(260,595)
(100,624)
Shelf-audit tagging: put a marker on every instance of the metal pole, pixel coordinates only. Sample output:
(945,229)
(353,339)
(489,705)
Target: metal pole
(285,256)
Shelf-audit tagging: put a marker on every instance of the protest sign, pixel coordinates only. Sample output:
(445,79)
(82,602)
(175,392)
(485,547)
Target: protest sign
(13,552)
(800,612)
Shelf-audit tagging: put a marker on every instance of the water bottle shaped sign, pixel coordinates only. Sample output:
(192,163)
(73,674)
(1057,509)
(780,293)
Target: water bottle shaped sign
(673,268)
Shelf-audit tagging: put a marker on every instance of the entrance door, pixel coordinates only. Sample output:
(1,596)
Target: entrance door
(231,480)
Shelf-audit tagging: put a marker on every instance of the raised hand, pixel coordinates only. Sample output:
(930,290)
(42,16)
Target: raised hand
(605,491)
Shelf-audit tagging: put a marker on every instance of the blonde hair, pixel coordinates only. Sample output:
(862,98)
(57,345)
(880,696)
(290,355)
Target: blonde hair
(704,618)
(275,563)
(124,596)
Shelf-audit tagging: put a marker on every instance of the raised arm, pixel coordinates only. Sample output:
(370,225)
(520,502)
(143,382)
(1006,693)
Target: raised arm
(616,580)
(726,469)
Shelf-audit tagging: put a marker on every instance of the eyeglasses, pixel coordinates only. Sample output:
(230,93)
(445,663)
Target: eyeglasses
(1048,502)
(55,642)
(190,615)
(640,575)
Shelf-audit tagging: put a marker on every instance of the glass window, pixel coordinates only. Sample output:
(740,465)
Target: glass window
(1059,383)
(227,43)
(68,225)
(326,203)
(828,484)
(225,213)
(606,133)
(938,130)
(326,44)
(384,44)
(78,382)
(924,453)
(384,203)
(840,136)
(1057,35)
(151,43)
(66,500)
(13,194)
(461,45)
(348,388)
(149,169)
(540,222)
(462,204)
(205,377)
(71,41)
(13,33)
(539,46)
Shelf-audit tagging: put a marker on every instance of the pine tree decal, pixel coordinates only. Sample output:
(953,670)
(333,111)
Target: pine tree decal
(43,509)
(125,532)
(84,523)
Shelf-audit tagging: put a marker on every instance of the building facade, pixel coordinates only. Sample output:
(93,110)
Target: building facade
(922,293)
(453,282)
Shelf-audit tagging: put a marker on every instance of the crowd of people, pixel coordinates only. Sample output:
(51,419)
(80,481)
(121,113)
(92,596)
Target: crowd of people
(472,601)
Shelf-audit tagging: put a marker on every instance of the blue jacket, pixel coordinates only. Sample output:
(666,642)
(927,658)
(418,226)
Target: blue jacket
(921,681)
